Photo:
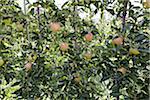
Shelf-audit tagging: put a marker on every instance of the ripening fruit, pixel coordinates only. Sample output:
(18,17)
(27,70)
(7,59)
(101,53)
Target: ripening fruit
(146,4)
(133,51)
(77,79)
(64,46)
(1,62)
(19,26)
(117,41)
(28,66)
(37,98)
(55,26)
(88,55)
(89,37)
(65,33)
(7,21)
(122,70)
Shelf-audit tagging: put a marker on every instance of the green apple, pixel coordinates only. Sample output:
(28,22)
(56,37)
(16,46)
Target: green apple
(1,62)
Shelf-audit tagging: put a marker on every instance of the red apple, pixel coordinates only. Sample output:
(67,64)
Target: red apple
(123,70)
(117,41)
(89,37)
(55,26)
(64,46)
(28,66)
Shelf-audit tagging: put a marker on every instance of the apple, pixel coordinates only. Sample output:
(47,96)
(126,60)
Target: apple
(19,26)
(77,79)
(89,37)
(65,33)
(133,51)
(28,66)
(117,41)
(122,70)
(88,55)
(146,4)
(7,21)
(37,98)
(55,26)
(64,46)
(1,62)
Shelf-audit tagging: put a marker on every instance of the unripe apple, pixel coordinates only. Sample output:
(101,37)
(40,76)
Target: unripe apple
(37,98)
(64,46)
(133,51)
(65,33)
(146,4)
(77,79)
(28,66)
(117,41)
(19,26)
(122,70)
(88,55)
(1,62)
(55,26)
(89,37)
(7,21)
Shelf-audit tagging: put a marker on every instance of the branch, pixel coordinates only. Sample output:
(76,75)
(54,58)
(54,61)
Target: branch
(39,20)
(26,25)
(124,15)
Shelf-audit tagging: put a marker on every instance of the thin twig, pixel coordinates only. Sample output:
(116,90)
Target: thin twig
(124,15)
(38,17)
(26,24)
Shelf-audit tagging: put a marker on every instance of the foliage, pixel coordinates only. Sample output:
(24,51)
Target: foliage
(26,37)
(7,90)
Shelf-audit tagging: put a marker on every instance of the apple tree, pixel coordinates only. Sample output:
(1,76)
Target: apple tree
(54,53)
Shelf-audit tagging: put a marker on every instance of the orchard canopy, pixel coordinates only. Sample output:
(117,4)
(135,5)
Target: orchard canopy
(81,50)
